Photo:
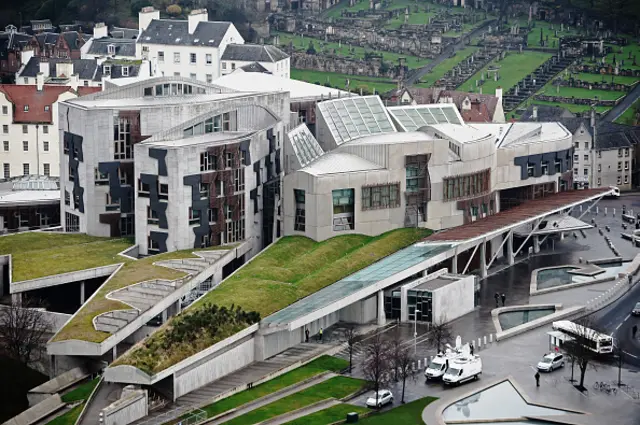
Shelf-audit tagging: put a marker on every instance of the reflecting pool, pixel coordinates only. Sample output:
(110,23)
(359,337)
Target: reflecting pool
(510,319)
(550,278)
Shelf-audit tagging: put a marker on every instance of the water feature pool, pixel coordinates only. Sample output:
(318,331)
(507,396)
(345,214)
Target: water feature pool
(552,277)
(509,319)
(501,401)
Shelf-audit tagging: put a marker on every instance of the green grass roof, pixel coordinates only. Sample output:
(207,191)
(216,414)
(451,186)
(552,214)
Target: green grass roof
(134,271)
(41,254)
(289,270)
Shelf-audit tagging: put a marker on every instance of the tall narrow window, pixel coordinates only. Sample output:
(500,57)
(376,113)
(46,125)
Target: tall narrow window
(300,221)
(123,148)
(343,209)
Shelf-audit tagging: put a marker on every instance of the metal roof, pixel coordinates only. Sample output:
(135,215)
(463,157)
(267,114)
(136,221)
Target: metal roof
(412,118)
(253,53)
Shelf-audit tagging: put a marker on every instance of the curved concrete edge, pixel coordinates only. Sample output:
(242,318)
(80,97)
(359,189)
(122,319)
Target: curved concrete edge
(88,402)
(525,327)
(495,313)
(62,278)
(433,413)
(534,291)
(95,318)
(125,253)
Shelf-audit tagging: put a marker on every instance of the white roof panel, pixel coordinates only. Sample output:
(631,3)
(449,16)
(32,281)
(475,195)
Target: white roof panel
(305,146)
(338,162)
(412,117)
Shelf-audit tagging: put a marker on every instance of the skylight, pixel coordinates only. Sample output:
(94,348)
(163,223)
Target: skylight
(412,118)
(305,146)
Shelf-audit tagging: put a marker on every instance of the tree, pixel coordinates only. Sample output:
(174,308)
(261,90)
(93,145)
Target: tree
(578,348)
(311,50)
(174,10)
(440,332)
(404,361)
(350,337)
(377,363)
(23,330)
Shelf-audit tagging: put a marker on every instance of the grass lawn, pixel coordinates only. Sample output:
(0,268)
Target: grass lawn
(81,392)
(597,78)
(288,270)
(381,85)
(336,387)
(628,116)
(533,38)
(329,415)
(321,364)
(580,93)
(302,44)
(81,326)
(40,254)
(513,68)
(442,68)
(632,47)
(69,418)
(405,414)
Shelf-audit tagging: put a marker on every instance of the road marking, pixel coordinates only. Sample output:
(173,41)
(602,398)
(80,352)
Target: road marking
(618,327)
(632,355)
(627,318)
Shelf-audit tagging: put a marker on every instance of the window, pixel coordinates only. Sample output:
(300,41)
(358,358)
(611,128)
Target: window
(209,78)
(545,168)
(412,179)
(619,180)
(123,148)
(557,165)
(229,160)
(72,174)
(575,171)
(343,209)
(208,58)
(235,231)
(67,197)
(110,204)
(585,171)
(5,145)
(45,146)
(25,145)
(106,69)
(148,91)
(45,128)
(25,169)
(626,151)
(111,49)
(599,181)
(46,168)
(530,169)
(619,153)
(586,157)
(226,121)
(299,224)
(204,190)
(5,110)
(239,179)
(125,71)
(576,158)
(163,191)
(586,145)
(161,57)
(193,76)
(143,188)
(233,66)
(123,177)
(599,154)
(25,108)
(619,166)
(72,223)
(213,215)
(207,161)
(380,196)
(224,65)
(599,168)
(626,165)
(25,128)
(626,179)
(152,245)
(228,212)
(576,145)
(176,57)
(194,216)
(5,129)
(100,179)
(47,108)
(6,171)
(466,185)
(192,58)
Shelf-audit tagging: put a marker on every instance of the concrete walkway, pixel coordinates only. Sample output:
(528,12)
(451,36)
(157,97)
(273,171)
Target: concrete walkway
(104,395)
(273,397)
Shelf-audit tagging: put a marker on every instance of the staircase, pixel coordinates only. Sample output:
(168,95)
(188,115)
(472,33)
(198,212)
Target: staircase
(193,266)
(526,87)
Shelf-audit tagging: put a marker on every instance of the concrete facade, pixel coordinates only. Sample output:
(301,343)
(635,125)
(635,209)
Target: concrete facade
(132,405)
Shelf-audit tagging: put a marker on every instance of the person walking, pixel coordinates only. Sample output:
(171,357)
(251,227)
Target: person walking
(306,334)
(471,348)
(634,331)
(320,335)
(537,376)
(497,298)
(504,297)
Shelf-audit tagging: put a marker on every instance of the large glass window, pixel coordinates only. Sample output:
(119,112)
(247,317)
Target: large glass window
(123,148)
(380,196)
(343,209)
(413,179)
(299,224)
(467,185)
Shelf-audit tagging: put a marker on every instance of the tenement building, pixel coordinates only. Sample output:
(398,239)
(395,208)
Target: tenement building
(175,162)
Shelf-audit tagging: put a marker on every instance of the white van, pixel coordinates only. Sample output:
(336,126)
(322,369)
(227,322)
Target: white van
(463,369)
(439,364)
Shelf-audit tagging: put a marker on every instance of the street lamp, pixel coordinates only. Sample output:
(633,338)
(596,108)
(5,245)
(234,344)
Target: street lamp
(415,331)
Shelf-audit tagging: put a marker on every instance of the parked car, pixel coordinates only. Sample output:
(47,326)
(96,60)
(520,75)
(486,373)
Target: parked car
(384,397)
(551,362)
(463,369)
(636,309)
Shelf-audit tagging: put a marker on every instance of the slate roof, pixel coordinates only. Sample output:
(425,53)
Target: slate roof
(255,67)
(74,39)
(176,33)
(253,53)
(124,47)
(546,113)
(47,38)
(125,33)
(87,69)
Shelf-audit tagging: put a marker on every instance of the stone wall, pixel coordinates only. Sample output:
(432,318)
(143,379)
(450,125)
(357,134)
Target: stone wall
(371,68)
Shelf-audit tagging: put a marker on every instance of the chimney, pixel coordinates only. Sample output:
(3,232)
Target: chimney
(26,56)
(499,94)
(75,82)
(145,16)
(195,17)
(64,69)
(100,30)
(44,66)
(535,113)
(40,81)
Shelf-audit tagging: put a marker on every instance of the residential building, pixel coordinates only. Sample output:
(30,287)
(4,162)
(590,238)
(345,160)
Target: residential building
(187,163)
(272,59)
(41,25)
(29,128)
(189,48)
(104,45)
(373,169)
(12,43)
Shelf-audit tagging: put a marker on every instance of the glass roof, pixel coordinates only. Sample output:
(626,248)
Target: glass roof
(36,183)
(349,118)
(305,146)
(388,266)
(501,401)
(412,118)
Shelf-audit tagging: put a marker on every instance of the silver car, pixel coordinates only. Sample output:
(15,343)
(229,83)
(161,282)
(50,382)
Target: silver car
(551,362)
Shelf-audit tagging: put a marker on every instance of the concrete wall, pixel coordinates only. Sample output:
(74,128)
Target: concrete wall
(133,405)
(454,300)
(37,412)
(363,311)
(214,366)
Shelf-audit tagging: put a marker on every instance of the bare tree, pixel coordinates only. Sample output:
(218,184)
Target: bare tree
(404,362)
(580,348)
(350,337)
(440,332)
(23,330)
(377,363)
